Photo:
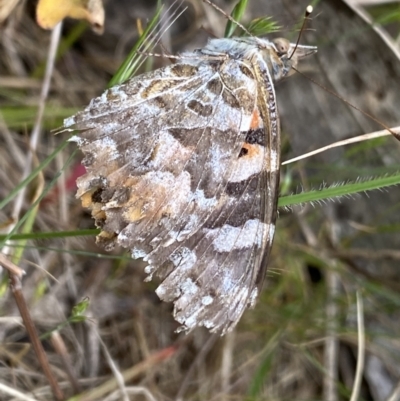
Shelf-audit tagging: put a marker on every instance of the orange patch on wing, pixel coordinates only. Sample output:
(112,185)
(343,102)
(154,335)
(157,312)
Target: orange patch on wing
(95,207)
(252,150)
(256,121)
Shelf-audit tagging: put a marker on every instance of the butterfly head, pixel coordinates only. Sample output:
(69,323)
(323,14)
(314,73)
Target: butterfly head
(284,56)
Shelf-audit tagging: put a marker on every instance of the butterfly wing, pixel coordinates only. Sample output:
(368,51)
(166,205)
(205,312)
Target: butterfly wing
(177,171)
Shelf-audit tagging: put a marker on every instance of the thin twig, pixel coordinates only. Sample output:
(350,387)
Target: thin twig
(116,372)
(367,254)
(35,134)
(10,266)
(16,287)
(360,138)
(59,346)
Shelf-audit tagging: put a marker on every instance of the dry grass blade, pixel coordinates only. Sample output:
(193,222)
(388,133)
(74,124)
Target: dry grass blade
(12,392)
(360,138)
(127,375)
(361,349)
(227,364)
(6,8)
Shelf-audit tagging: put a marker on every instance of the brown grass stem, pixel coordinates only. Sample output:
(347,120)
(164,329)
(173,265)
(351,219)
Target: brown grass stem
(16,287)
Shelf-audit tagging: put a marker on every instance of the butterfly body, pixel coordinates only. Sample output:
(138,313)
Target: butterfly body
(183,170)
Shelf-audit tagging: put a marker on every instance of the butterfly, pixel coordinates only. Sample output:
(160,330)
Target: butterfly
(183,170)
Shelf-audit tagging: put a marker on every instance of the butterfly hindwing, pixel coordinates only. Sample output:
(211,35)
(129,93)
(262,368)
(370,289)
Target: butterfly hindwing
(183,170)
(176,172)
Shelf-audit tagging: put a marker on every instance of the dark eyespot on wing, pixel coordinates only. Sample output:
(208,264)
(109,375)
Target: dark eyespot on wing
(243,152)
(256,136)
(96,196)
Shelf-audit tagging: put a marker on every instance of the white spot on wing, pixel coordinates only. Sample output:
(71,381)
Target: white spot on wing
(184,259)
(246,166)
(149,269)
(136,253)
(69,121)
(274,160)
(245,123)
(202,202)
(190,321)
(169,150)
(208,324)
(227,237)
(77,139)
(271,232)
(253,297)
(217,154)
(189,287)
(108,145)
(207,300)
(228,283)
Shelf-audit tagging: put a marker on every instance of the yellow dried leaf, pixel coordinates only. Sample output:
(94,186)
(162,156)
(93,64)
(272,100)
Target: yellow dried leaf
(49,12)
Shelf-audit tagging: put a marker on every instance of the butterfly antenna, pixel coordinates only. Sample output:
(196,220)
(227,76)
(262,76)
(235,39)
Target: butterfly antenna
(369,116)
(163,26)
(228,16)
(156,33)
(307,13)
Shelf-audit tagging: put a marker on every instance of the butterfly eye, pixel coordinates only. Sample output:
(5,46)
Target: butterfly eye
(282,46)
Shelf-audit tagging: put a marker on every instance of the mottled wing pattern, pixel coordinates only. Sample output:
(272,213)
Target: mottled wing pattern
(179,171)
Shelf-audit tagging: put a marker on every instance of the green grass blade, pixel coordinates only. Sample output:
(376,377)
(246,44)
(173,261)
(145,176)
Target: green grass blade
(23,117)
(263,26)
(33,174)
(339,190)
(39,199)
(53,235)
(26,229)
(237,15)
(129,66)
(284,201)
(264,368)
